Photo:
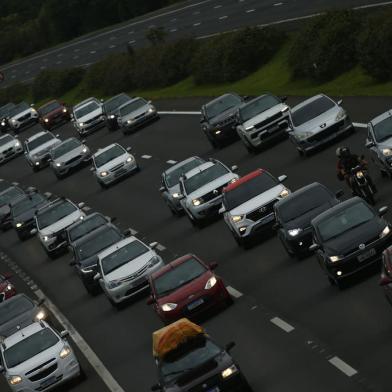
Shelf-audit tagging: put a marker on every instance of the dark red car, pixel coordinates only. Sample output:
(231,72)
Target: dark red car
(52,114)
(7,289)
(386,273)
(186,287)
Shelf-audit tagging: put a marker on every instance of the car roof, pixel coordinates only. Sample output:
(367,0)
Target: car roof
(54,203)
(244,104)
(49,103)
(118,245)
(200,168)
(24,333)
(133,99)
(219,98)
(182,163)
(36,135)
(310,100)
(173,264)
(95,232)
(86,101)
(381,117)
(244,179)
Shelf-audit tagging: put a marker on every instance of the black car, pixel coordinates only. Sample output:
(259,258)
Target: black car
(295,212)
(7,197)
(85,253)
(18,312)
(349,237)
(4,113)
(23,212)
(110,108)
(219,118)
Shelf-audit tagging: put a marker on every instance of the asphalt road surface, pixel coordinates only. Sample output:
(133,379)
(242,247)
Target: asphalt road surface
(198,18)
(292,329)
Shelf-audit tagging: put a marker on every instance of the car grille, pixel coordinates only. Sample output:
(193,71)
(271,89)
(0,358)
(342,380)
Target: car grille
(326,132)
(40,366)
(368,242)
(143,284)
(269,120)
(54,382)
(92,120)
(261,212)
(24,118)
(214,194)
(45,373)
(136,274)
(140,116)
(226,121)
(77,158)
(117,167)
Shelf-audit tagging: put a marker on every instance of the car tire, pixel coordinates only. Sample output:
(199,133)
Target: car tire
(59,176)
(51,255)
(103,185)
(35,169)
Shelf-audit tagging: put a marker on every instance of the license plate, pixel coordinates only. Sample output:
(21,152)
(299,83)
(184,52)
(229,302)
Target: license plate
(48,382)
(366,255)
(194,305)
(215,389)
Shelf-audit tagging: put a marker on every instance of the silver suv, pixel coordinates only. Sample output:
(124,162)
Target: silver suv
(379,142)
(88,116)
(263,120)
(38,358)
(248,204)
(10,147)
(201,190)
(22,115)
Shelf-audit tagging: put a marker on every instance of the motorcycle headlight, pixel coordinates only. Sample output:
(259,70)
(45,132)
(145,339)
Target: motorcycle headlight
(103,174)
(229,371)
(41,315)
(58,164)
(15,380)
(387,152)
(334,259)
(65,352)
(284,193)
(210,283)
(237,218)
(196,202)
(129,159)
(303,135)
(19,224)
(168,307)
(46,120)
(359,174)
(294,232)
(385,232)
(342,114)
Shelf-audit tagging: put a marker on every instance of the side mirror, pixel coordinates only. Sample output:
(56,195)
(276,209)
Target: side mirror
(282,178)
(156,387)
(229,346)
(339,193)
(162,189)
(234,168)
(314,247)
(383,210)
(222,210)
(33,231)
(48,195)
(129,148)
(283,99)
(385,281)
(64,334)
(81,204)
(213,266)
(340,102)
(150,300)
(92,169)
(153,245)
(41,302)
(97,276)
(369,144)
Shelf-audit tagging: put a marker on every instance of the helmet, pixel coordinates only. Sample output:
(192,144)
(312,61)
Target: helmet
(342,152)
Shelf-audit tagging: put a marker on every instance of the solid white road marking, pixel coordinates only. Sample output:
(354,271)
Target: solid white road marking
(146,156)
(58,62)
(361,7)
(282,324)
(112,46)
(223,17)
(277,4)
(93,51)
(233,292)
(173,30)
(133,232)
(249,11)
(132,42)
(90,355)
(180,113)
(359,125)
(161,248)
(171,162)
(197,24)
(343,366)
(217,6)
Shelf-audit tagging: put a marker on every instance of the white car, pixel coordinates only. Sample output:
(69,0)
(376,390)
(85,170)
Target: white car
(124,268)
(37,149)
(112,163)
(37,358)
(52,221)
(88,116)
(10,147)
(22,115)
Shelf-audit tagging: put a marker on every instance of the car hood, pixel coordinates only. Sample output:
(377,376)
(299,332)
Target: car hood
(7,145)
(223,116)
(62,223)
(21,114)
(69,155)
(95,113)
(54,113)
(353,238)
(265,115)
(113,163)
(314,125)
(174,189)
(135,113)
(131,267)
(44,148)
(212,185)
(4,211)
(22,320)
(259,200)
(385,144)
(27,215)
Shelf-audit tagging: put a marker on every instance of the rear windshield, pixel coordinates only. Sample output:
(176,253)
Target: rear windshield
(383,130)
(311,110)
(86,226)
(14,307)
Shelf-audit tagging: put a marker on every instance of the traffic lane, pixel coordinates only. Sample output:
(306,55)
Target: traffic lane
(92,381)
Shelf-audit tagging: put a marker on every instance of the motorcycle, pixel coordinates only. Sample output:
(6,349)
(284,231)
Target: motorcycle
(361,184)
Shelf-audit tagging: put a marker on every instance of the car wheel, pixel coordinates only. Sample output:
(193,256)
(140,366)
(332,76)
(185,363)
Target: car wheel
(35,169)
(92,290)
(229,300)
(331,281)
(103,185)
(59,176)
(341,284)
(288,251)
(82,375)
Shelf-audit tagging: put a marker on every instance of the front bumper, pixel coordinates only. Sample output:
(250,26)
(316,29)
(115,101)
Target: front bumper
(136,123)
(248,228)
(224,132)
(299,244)
(40,161)
(113,176)
(56,121)
(91,127)
(24,231)
(10,153)
(67,166)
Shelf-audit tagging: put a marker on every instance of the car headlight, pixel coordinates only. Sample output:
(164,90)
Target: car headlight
(114,283)
(84,150)
(129,159)
(41,315)
(233,180)
(385,232)
(217,132)
(19,224)
(3,123)
(129,121)
(237,218)
(249,128)
(303,135)
(81,124)
(46,120)
(33,111)
(359,174)
(46,238)
(196,202)
(285,109)
(210,283)
(294,232)
(17,144)
(334,259)
(58,164)
(151,110)
(387,152)
(284,193)
(342,114)
(15,380)
(13,120)
(65,352)
(154,260)
(36,163)
(103,174)
(65,110)
(8,287)
(168,307)
(229,371)
(176,195)
(112,116)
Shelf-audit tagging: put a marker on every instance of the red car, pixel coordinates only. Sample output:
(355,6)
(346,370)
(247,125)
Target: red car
(386,273)
(7,289)
(186,287)
(52,114)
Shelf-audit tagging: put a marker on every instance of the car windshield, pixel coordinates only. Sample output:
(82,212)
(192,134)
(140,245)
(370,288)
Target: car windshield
(200,350)
(26,204)
(102,158)
(173,176)
(19,109)
(55,213)
(222,104)
(14,307)
(65,147)
(49,108)
(311,110)
(86,226)
(344,220)
(7,196)
(123,256)
(255,107)
(30,347)
(4,110)
(248,190)
(383,130)
(178,276)
(115,102)
(132,106)
(86,109)
(204,177)
(304,202)
(6,139)
(97,243)
(39,141)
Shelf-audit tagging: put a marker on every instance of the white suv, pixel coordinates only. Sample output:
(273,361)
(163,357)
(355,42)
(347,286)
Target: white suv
(22,115)
(10,147)
(124,268)
(37,358)
(88,116)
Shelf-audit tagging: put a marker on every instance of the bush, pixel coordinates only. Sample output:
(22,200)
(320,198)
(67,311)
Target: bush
(326,46)
(15,93)
(54,83)
(232,56)
(375,47)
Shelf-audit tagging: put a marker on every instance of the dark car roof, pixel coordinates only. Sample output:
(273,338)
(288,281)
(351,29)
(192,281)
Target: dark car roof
(85,221)
(92,234)
(219,98)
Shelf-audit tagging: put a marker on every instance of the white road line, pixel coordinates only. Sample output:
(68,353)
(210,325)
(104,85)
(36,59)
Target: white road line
(196,24)
(86,65)
(131,32)
(76,50)
(342,366)
(217,6)
(42,67)
(277,4)
(112,38)
(112,46)
(90,355)
(180,113)
(171,162)
(223,17)
(362,7)
(360,125)
(233,292)
(249,11)
(132,42)
(93,51)
(173,30)
(282,324)
(146,156)
(133,232)
(161,248)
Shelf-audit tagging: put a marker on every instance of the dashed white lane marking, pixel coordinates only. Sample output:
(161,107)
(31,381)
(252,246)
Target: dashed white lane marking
(58,62)
(173,30)
(132,42)
(282,324)
(146,156)
(233,292)
(133,232)
(90,355)
(359,125)
(223,17)
(76,50)
(112,46)
(86,65)
(180,113)
(161,248)
(75,57)
(93,51)
(112,38)
(277,4)
(196,24)
(218,6)
(342,366)
(171,162)
(42,67)
(131,32)
(249,11)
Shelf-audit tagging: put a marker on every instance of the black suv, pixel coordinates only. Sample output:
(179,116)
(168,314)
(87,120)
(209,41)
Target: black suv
(110,108)
(219,118)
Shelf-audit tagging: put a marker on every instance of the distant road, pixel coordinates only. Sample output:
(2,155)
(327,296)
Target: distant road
(198,18)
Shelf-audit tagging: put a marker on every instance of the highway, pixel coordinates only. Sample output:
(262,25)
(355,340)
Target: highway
(294,332)
(197,18)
